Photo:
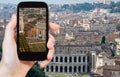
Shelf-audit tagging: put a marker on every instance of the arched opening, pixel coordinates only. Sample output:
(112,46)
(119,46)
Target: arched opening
(65,59)
(52,59)
(79,60)
(88,58)
(61,59)
(70,59)
(61,69)
(56,69)
(79,69)
(88,69)
(56,59)
(70,69)
(47,68)
(84,68)
(65,68)
(52,69)
(75,69)
(84,59)
(75,59)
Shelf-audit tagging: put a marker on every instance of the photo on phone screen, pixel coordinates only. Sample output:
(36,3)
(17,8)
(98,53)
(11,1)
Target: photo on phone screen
(32,29)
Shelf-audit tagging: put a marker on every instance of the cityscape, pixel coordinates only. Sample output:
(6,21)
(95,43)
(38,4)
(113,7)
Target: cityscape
(87,43)
(32,33)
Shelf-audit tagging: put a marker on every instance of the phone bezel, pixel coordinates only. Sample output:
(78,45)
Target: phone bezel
(32,55)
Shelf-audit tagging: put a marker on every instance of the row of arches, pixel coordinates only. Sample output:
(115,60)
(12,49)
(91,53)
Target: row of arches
(70,59)
(68,69)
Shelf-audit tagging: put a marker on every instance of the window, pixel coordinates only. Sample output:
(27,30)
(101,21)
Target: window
(105,64)
(65,59)
(113,73)
(61,59)
(65,69)
(75,59)
(56,59)
(88,69)
(52,69)
(79,69)
(56,69)
(75,69)
(84,68)
(61,69)
(47,68)
(52,59)
(79,60)
(70,69)
(88,58)
(70,59)
(84,59)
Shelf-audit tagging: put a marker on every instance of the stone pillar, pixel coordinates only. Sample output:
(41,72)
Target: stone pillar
(67,59)
(72,59)
(76,59)
(86,59)
(81,59)
(81,68)
(54,68)
(85,68)
(72,69)
(59,69)
(76,69)
(63,59)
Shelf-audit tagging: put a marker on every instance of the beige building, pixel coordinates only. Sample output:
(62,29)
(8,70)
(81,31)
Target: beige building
(71,59)
(41,30)
(111,71)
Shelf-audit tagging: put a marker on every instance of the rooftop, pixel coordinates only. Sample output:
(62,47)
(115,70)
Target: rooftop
(112,68)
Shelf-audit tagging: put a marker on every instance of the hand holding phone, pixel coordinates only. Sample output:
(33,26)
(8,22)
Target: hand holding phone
(32,30)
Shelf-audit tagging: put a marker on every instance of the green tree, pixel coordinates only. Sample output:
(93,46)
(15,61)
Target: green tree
(103,41)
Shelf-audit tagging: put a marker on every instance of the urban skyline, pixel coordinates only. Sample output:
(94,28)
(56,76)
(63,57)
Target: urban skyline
(54,1)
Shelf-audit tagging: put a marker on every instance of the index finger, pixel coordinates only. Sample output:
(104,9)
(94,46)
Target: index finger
(53,26)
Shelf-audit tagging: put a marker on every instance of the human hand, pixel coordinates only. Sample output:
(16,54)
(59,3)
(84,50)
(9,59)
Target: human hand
(10,65)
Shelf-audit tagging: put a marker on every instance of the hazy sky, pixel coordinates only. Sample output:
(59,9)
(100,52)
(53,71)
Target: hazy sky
(53,1)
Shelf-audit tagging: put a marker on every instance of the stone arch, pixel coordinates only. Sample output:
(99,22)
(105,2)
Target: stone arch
(70,59)
(88,58)
(65,69)
(79,69)
(56,69)
(52,59)
(61,68)
(75,59)
(65,59)
(52,69)
(47,68)
(61,59)
(79,59)
(84,68)
(75,69)
(70,69)
(83,58)
(88,69)
(56,59)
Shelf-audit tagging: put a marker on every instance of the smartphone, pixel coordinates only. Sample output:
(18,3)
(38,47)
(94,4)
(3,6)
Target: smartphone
(32,30)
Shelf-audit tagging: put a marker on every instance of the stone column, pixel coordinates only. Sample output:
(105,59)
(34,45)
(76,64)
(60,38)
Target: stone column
(81,59)
(81,68)
(86,59)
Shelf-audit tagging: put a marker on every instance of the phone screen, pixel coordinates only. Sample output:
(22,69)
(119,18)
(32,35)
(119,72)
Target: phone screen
(32,29)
